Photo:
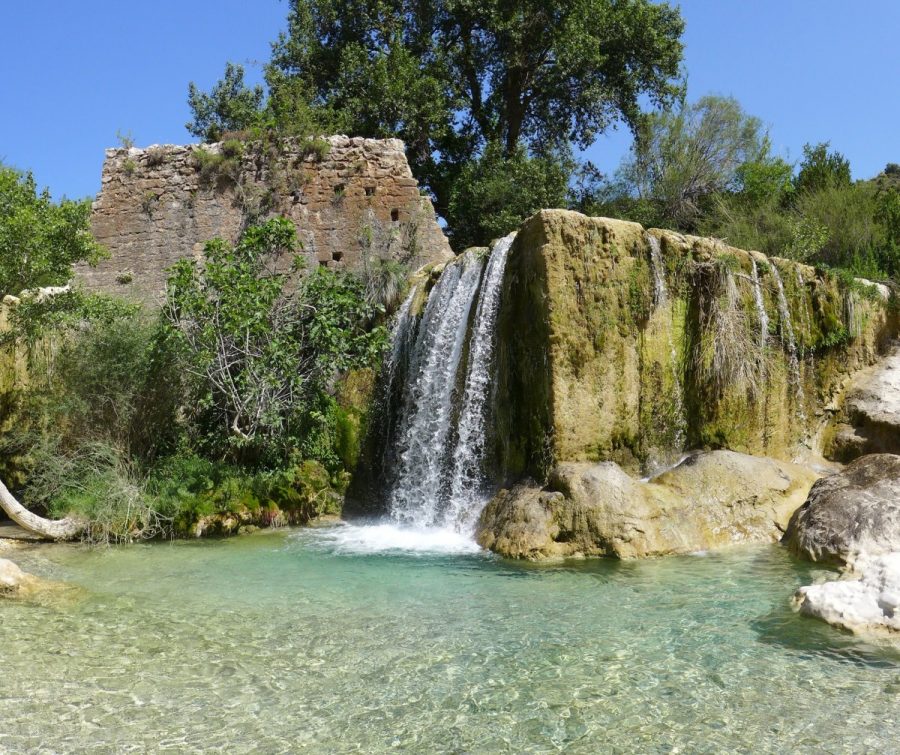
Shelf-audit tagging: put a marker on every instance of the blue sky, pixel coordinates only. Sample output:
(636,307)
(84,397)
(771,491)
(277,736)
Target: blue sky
(73,74)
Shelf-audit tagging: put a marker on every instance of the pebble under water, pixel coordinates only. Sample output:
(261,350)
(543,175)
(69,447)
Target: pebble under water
(356,639)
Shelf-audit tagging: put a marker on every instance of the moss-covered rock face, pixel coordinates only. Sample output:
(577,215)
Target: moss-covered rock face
(621,344)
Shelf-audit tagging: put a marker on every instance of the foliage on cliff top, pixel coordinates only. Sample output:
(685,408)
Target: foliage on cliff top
(708,169)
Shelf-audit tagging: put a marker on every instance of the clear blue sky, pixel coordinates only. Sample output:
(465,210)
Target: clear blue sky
(74,73)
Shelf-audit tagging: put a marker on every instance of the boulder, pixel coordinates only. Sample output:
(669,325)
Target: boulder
(709,500)
(867,601)
(871,412)
(853,512)
(15,583)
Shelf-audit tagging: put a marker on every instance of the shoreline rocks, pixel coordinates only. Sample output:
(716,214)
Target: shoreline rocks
(15,583)
(710,500)
(853,518)
(870,603)
(851,513)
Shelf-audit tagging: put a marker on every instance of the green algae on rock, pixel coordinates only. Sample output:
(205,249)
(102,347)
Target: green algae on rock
(628,345)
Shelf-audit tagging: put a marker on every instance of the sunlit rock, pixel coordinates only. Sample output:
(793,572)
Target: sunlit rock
(867,600)
(852,513)
(710,500)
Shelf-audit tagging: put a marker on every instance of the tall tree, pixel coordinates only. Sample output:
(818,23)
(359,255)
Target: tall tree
(451,77)
(40,239)
(698,150)
(230,106)
(822,169)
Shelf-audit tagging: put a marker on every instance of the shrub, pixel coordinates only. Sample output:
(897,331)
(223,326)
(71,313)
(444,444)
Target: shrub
(258,353)
(40,240)
(156,156)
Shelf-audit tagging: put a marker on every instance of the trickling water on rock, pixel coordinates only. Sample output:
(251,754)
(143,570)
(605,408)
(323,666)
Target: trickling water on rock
(787,335)
(661,302)
(659,274)
(760,307)
(393,377)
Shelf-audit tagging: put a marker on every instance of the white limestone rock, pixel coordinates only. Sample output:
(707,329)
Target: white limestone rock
(867,600)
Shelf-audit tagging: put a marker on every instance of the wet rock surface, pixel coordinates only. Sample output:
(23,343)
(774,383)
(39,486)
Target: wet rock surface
(710,500)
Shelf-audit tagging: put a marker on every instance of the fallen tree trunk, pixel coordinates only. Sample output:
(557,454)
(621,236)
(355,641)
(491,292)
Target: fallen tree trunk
(51,529)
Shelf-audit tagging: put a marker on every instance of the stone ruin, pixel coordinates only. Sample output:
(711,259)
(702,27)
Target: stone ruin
(352,199)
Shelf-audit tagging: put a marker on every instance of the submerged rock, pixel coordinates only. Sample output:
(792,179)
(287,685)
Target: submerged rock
(710,500)
(869,603)
(15,583)
(851,513)
(12,578)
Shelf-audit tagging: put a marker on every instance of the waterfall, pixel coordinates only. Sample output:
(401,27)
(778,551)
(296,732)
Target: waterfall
(787,335)
(660,298)
(659,272)
(439,441)
(468,456)
(395,369)
(804,310)
(760,307)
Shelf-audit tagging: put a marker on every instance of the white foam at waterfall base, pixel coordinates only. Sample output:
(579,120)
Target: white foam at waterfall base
(388,537)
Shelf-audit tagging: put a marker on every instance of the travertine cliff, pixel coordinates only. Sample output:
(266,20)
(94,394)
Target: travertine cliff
(632,345)
(351,198)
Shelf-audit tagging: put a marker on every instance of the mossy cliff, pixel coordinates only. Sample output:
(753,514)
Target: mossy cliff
(625,344)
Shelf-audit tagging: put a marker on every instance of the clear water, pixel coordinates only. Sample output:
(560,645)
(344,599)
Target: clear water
(344,640)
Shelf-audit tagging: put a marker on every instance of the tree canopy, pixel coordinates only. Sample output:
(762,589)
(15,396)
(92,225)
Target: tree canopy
(451,78)
(682,156)
(40,239)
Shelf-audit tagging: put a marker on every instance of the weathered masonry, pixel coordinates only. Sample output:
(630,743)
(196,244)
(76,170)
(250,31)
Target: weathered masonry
(352,199)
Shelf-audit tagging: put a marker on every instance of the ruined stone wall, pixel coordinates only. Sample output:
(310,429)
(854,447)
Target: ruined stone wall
(354,199)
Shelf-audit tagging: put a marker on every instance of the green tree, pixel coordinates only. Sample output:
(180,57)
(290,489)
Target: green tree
(822,169)
(40,239)
(451,77)
(259,352)
(496,192)
(683,157)
(230,106)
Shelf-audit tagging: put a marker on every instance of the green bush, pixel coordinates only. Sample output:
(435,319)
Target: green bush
(40,239)
(496,192)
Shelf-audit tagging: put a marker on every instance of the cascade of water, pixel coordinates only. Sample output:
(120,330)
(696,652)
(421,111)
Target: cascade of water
(466,494)
(787,335)
(403,334)
(760,307)
(658,269)
(440,438)
(804,307)
(428,410)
